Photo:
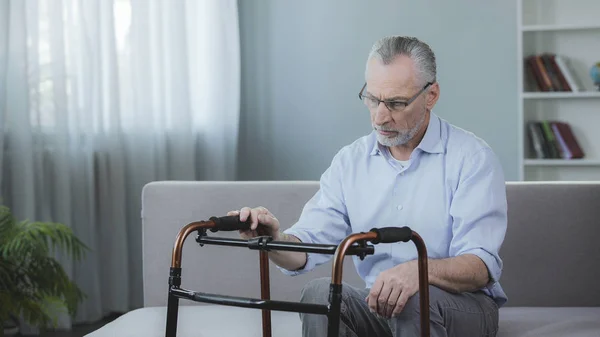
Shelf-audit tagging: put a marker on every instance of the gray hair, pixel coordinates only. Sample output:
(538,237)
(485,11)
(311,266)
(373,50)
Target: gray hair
(389,47)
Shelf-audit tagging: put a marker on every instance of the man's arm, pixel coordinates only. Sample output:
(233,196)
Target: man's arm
(292,261)
(324,219)
(458,274)
(479,214)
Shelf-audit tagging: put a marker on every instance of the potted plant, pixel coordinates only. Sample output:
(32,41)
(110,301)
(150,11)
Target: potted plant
(33,285)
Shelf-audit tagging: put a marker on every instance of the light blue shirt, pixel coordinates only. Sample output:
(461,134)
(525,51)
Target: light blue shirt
(451,191)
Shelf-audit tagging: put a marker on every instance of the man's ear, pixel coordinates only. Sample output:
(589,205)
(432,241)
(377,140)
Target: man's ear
(433,94)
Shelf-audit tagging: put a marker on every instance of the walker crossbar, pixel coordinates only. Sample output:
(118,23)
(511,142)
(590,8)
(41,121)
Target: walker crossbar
(284,246)
(254,303)
(354,244)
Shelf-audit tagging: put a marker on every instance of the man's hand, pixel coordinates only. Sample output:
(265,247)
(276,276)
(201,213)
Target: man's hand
(265,223)
(269,225)
(393,288)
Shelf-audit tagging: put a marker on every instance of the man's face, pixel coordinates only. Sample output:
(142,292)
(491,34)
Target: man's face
(396,81)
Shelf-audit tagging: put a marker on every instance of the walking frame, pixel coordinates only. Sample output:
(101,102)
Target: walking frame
(354,244)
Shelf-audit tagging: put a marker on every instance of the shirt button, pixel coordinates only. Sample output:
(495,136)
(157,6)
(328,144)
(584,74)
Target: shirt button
(401,173)
(399,207)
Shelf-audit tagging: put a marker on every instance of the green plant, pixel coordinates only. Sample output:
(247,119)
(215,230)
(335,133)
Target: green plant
(32,283)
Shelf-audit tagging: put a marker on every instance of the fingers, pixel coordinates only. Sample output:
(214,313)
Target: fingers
(266,219)
(392,301)
(404,295)
(256,215)
(246,234)
(374,295)
(244,213)
(382,300)
(249,213)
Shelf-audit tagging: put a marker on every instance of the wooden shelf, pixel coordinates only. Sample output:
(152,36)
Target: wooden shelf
(565,94)
(560,27)
(562,162)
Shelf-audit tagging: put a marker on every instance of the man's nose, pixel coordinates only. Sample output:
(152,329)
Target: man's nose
(382,114)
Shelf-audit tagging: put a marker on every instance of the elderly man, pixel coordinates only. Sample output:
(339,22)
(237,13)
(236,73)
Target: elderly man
(414,169)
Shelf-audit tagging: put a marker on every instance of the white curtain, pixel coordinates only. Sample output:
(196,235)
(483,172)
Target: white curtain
(98,98)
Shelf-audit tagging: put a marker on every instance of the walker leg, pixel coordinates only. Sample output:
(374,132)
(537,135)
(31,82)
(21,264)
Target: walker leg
(173,303)
(172,310)
(335,304)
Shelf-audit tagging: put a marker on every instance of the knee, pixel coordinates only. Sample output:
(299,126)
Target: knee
(316,291)
(413,305)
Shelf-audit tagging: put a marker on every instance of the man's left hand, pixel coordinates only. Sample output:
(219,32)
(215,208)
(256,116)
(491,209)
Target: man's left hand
(393,288)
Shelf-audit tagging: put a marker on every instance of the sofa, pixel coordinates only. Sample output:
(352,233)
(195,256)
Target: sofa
(551,257)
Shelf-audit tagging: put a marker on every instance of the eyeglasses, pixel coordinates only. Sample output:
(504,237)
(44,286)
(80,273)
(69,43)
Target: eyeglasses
(393,106)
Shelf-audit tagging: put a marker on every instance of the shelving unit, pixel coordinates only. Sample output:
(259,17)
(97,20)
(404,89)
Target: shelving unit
(557,95)
(569,28)
(561,162)
(546,28)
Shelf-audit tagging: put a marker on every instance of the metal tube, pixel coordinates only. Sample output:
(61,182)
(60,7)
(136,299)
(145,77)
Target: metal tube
(254,303)
(338,259)
(173,303)
(265,292)
(287,246)
(172,311)
(336,277)
(182,235)
(335,289)
(423,283)
(335,306)
(175,274)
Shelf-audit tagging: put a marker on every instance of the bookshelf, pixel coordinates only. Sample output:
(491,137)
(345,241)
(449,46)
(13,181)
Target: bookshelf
(559,27)
(569,29)
(561,162)
(557,95)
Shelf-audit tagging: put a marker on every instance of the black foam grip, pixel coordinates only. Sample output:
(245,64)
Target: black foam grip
(229,223)
(392,234)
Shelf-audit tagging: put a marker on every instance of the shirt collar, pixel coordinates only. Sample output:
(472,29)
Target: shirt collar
(431,142)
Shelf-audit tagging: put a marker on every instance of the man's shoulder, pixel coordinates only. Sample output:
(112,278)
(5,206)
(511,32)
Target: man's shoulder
(358,149)
(461,142)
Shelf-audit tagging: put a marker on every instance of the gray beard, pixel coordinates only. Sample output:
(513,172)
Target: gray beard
(402,137)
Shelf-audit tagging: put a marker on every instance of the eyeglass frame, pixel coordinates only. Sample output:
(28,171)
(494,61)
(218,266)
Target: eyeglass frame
(406,103)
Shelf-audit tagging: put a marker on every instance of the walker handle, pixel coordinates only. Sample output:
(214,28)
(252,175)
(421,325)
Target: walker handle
(392,234)
(229,223)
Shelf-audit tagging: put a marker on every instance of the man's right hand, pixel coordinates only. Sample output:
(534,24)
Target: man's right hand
(262,222)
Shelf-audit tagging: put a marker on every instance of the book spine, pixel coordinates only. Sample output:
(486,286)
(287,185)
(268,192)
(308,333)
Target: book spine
(536,140)
(560,61)
(554,151)
(566,153)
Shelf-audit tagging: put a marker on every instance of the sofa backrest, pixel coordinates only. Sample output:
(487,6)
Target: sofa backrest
(551,253)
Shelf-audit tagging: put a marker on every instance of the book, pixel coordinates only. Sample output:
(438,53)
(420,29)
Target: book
(550,140)
(536,140)
(566,152)
(571,144)
(568,74)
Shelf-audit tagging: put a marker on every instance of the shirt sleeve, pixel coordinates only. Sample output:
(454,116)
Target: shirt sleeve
(324,218)
(479,212)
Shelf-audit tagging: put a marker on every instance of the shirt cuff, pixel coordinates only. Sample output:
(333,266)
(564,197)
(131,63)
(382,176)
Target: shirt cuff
(491,262)
(310,260)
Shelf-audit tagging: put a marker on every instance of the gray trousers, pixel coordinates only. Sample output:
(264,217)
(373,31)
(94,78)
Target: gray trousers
(454,315)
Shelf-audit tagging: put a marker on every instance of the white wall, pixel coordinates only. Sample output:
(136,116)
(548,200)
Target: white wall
(303,65)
